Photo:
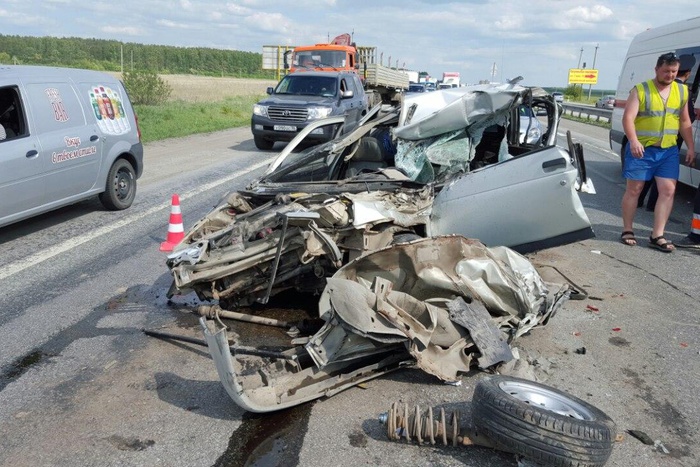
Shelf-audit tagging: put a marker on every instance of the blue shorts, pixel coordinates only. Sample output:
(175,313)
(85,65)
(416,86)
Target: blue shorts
(657,162)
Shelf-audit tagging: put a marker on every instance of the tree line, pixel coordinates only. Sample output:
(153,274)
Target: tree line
(111,55)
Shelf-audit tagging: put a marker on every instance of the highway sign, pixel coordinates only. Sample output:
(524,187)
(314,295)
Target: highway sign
(583,76)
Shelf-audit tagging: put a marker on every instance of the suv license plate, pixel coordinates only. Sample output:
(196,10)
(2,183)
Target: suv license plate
(285,128)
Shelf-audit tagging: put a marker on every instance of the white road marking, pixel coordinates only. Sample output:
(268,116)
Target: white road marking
(36,258)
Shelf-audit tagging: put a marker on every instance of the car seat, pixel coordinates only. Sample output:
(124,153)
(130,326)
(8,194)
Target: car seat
(368,157)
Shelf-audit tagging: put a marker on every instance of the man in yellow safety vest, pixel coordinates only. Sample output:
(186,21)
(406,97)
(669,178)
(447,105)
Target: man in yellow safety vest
(655,112)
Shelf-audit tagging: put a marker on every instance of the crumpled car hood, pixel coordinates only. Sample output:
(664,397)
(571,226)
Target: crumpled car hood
(441,302)
(454,109)
(437,295)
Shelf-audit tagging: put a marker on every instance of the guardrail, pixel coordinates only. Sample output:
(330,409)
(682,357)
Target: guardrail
(587,111)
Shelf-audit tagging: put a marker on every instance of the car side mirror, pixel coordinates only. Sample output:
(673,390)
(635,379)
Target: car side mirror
(347,95)
(270,90)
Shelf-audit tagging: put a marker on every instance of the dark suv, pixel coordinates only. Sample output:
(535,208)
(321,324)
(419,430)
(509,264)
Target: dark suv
(305,96)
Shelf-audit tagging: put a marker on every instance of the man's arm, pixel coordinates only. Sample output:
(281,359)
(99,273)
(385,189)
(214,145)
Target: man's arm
(631,109)
(686,132)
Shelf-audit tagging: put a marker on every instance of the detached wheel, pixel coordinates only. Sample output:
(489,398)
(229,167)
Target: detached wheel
(263,143)
(120,189)
(542,423)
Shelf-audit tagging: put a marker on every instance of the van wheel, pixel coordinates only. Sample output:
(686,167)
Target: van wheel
(120,189)
(541,423)
(263,143)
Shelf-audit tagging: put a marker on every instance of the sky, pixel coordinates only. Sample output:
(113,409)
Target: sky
(539,40)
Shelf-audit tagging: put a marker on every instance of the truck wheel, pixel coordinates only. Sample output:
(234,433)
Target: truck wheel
(120,189)
(541,423)
(263,143)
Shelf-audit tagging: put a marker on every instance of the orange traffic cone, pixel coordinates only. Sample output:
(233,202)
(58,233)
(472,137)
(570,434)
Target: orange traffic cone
(176,231)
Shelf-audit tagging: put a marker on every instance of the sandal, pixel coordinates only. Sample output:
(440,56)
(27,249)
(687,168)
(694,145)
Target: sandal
(627,238)
(657,244)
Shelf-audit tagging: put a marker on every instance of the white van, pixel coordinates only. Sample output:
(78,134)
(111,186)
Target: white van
(682,37)
(65,135)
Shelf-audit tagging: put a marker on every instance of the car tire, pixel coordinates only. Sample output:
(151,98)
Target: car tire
(120,188)
(263,143)
(541,423)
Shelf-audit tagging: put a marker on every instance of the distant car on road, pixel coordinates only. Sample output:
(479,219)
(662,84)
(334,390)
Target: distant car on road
(605,102)
(303,97)
(413,87)
(558,96)
(530,126)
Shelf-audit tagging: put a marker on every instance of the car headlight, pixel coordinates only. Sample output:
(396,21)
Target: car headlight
(260,110)
(533,135)
(318,112)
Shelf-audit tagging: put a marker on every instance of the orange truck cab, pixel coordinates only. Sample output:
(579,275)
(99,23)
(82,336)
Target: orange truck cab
(340,54)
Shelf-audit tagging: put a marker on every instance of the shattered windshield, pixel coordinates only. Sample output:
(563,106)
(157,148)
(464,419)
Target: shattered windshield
(307,85)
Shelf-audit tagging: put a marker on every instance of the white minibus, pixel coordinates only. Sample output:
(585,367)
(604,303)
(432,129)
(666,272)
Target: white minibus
(682,37)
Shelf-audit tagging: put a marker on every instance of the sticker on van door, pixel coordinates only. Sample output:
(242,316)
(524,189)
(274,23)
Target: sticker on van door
(59,110)
(109,111)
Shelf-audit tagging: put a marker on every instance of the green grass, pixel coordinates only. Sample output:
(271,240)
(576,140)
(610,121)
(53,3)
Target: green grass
(174,119)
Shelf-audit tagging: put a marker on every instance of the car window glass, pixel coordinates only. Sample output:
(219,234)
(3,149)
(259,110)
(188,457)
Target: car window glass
(307,85)
(358,83)
(12,115)
(351,85)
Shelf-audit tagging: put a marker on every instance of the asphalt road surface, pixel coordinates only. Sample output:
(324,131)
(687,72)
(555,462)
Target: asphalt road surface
(81,385)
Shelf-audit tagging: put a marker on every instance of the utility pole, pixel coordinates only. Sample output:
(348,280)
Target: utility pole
(579,58)
(595,54)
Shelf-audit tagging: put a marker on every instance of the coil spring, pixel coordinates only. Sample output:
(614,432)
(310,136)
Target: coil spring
(412,425)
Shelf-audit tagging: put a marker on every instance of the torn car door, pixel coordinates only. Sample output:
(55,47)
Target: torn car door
(534,196)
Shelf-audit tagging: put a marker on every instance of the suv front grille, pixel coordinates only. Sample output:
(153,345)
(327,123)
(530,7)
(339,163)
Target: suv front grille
(287,114)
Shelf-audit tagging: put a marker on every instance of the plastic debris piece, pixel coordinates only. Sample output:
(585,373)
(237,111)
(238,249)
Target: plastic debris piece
(591,308)
(596,252)
(576,333)
(684,344)
(617,329)
(660,447)
(641,436)
(580,351)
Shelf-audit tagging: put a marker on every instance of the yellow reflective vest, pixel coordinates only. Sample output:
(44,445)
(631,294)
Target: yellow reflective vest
(655,120)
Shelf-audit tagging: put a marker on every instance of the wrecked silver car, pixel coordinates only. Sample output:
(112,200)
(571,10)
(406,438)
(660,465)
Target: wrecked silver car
(448,162)
(442,303)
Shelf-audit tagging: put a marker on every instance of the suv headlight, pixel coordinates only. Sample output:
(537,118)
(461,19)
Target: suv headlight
(533,135)
(260,110)
(318,112)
